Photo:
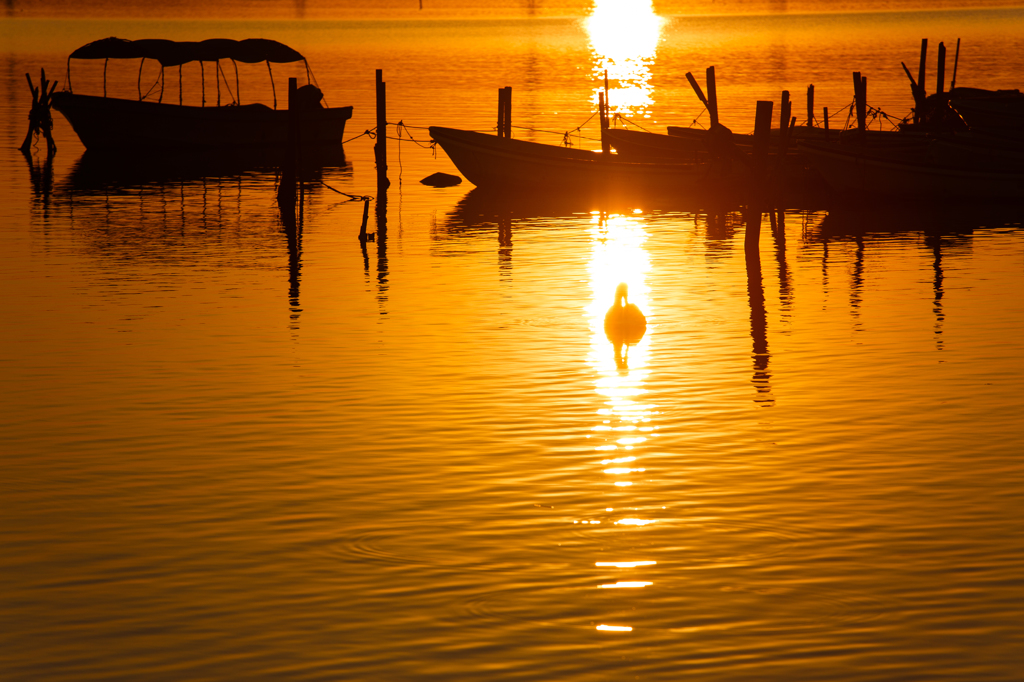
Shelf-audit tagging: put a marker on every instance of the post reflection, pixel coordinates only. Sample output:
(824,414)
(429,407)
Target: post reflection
(624,37)
(758,314)
(934,241)
(292,223)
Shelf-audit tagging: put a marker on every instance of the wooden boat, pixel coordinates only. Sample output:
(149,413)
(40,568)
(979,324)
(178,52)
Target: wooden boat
(144,126)
(850,169)
(996,110)
(499,162)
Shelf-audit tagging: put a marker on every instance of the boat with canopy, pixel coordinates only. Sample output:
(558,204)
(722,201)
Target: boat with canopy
(144,125)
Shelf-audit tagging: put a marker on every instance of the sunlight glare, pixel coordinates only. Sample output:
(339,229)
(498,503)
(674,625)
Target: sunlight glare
(624,36)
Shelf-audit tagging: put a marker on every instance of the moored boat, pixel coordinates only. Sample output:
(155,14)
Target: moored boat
(490,161)
(143,126)
(849,169)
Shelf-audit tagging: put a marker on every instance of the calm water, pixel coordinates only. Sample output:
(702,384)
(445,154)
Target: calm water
(232,454)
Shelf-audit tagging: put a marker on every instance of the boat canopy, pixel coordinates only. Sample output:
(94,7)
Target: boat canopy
(173,53)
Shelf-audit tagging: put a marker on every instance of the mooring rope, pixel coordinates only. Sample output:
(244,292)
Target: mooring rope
(351,197)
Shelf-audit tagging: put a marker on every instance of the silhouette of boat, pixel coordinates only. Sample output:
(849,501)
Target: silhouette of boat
(144,126)
(499,162)
(916,172)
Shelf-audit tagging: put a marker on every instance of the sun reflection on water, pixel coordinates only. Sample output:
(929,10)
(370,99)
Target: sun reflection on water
(624,37)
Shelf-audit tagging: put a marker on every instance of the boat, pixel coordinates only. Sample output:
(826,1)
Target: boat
(489,161)
(143,125)
(855,170)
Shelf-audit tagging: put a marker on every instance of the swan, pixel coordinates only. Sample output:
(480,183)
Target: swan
(624,323)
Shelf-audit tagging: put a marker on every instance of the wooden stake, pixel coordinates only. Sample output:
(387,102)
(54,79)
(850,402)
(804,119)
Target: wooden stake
(508,111)
(784,111)
(286,194)
(712,96)
(696,88)
(501,112)
(859,93)
(920,69)
(762,138)
(380,148)
(940,76)
(956,60)
(810,105)
(825,114)
(606,147)
(607,100)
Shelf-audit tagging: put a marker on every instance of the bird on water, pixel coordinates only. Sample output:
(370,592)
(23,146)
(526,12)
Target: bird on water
(624,323)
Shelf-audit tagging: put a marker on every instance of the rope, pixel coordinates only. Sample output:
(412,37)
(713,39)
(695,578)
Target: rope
(399,126)
(371,133)
(151,87)
(351,197)
(620,117)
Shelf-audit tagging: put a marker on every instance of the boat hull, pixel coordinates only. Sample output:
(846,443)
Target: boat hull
(495,162)
(852,171)
(104,123)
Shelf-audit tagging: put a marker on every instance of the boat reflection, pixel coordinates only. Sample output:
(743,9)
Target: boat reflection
(624,36)
(96,172)
(946,229)
(208,208)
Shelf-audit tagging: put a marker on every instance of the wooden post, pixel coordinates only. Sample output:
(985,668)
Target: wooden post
(825,114)
(607,100)
(380,148)
(784,113)
(956,60)
(286,195)
(940,77)
(862,113)
(712,96)
(762,138)
(696,89)
(606,147)
(508,111)
(810,105)
(859,95)
(501,112)
(365,236)
(920,70)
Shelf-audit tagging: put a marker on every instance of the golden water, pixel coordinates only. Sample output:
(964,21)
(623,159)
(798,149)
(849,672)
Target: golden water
(225,456)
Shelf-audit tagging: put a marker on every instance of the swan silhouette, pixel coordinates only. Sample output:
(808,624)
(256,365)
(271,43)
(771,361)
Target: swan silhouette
(624,323)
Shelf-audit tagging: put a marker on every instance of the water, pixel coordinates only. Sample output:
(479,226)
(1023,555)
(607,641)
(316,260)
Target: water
(232,455)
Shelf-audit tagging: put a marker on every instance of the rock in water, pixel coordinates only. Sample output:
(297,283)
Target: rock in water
(441,180)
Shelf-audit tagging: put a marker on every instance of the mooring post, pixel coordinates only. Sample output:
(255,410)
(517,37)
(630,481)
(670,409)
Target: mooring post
(810,106)
(712,96)
(696,89)
(607,99)
(40,121)
(606,147)
(956,60)
(363,235)
(920,70)
(508,111)
(762,139)
(940,77)
(859,97)
(501,112)
(380,148)
(784,111)
(286,190)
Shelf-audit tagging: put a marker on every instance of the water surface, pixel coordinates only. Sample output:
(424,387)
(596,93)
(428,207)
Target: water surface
(236,451)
